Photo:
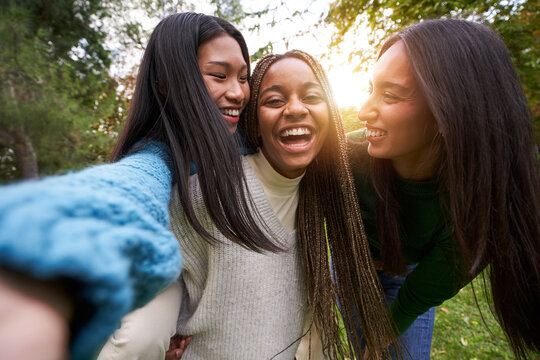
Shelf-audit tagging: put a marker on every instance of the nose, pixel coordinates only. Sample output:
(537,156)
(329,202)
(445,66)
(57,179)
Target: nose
(234,92)
(295,108)
(368,111)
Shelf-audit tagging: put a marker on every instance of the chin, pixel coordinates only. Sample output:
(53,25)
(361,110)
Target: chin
(376,154)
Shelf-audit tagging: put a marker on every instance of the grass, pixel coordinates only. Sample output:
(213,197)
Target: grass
(460,333)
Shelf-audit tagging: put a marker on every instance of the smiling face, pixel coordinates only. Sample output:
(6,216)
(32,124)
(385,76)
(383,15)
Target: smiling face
(224,71)
(400,126)
(293,116)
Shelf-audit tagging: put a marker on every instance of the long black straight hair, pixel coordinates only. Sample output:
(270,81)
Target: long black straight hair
(171,104)
(488,176)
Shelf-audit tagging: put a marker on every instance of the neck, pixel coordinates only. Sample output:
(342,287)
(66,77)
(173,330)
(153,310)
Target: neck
(420,168)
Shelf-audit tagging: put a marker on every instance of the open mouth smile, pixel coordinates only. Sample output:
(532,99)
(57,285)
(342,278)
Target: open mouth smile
(296,139)
(231,115)
(375,133)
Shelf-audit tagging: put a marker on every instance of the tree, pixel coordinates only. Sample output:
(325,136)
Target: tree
(349,116)
(54,84)
(59,105)
(517,21)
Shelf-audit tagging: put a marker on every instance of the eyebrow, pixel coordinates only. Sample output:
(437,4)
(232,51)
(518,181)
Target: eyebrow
(306,85)
(271,88)
(311,84)
(223,63)
(389,84)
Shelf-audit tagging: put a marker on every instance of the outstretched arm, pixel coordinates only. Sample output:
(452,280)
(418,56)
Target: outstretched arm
(103,232)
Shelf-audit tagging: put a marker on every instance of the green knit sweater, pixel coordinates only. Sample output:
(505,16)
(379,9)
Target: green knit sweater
(425,237)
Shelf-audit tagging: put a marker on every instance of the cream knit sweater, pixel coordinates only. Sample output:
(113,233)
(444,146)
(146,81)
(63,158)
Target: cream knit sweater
(238,304)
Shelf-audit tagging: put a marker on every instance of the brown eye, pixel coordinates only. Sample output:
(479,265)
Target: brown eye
(274,102)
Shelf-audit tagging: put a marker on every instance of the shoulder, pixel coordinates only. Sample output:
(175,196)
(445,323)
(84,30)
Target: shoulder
(357,146)
(359,158)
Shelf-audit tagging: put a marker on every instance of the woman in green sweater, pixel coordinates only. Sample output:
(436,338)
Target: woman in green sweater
(447,180)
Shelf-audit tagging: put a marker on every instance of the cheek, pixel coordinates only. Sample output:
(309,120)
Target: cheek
(413,128)
(264,128)
(213,90)
(245,90)
(323,120)
(266,123)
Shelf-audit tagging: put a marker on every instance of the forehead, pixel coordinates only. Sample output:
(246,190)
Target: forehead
(288,71)
(394,65)
(221,48)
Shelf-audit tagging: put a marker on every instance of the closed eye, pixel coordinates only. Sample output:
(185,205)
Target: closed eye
(219,76)
(313,98)
(389,97)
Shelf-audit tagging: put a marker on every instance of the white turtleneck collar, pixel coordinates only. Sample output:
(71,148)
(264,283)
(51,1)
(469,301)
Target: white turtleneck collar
(270,178)
(282,192)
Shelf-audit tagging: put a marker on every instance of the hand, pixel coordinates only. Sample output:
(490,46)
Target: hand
(34,318)
(177,347)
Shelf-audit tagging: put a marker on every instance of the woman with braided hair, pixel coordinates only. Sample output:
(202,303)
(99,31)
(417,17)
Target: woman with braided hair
(245,305)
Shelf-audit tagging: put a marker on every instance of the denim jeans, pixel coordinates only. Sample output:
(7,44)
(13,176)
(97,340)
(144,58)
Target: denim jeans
(417,338)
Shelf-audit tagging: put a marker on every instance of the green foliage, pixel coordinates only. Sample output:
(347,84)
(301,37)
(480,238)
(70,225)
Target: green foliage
(55,84)
(518,23)
(230,10)
(349,116)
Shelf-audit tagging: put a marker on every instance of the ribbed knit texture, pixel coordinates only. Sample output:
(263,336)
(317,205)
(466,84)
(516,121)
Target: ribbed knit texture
(104,228)
(281,192)
(238,304)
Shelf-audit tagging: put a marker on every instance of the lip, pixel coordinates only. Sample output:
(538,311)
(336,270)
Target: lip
(229,118)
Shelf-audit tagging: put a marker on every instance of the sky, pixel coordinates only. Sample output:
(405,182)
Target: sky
(349,87)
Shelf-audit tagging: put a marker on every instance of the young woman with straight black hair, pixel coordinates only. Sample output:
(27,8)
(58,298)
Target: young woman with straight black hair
(80,251)
(448,181)
(172,105)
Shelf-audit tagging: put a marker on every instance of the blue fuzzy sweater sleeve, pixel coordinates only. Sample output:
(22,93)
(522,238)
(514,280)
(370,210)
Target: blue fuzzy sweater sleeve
(105,230)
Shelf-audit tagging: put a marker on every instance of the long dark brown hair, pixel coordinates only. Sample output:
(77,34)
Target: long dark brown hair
(329,225)
(171,104)
(488,176)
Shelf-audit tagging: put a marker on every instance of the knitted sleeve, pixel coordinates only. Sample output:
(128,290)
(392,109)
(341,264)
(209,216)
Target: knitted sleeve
(104,230)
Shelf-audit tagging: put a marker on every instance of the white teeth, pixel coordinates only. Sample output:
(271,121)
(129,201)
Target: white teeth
(231,112)
(299,144)
(297,132)
(375,133)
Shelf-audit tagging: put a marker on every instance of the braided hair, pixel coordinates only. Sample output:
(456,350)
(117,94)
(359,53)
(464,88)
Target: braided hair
(333,245)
